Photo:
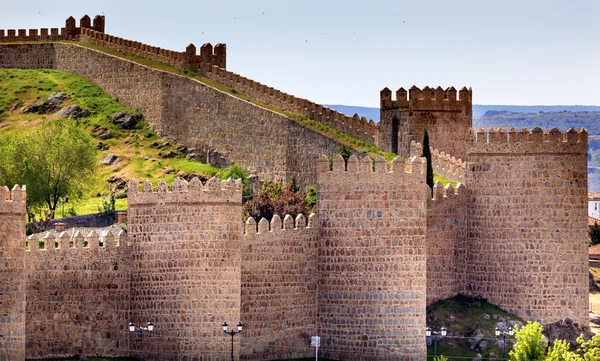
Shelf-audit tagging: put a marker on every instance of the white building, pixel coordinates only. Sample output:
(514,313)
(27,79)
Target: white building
(594,208)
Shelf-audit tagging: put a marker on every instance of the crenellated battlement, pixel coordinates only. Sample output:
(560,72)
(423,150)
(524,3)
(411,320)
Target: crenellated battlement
(367,165)
(276,225)
(358,127)
(185,192)
(188,59)
(444,165)
(441,192)
(14,200)
(69,32)
(75,239)
(526,142)
(428,99)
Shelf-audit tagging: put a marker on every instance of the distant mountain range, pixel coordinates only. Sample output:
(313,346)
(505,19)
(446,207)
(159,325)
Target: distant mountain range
(478,110)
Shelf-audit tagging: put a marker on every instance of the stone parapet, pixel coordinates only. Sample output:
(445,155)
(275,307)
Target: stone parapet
(428,99)
(355,126)
(193,192)
(526,142)
(443,164)
(69,32)
(187,59)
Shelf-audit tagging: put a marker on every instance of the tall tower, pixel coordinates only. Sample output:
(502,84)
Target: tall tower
(186,266)
(12,274)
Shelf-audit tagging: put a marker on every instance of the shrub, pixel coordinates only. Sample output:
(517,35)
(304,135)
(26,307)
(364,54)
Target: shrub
(235,171)
(273,199)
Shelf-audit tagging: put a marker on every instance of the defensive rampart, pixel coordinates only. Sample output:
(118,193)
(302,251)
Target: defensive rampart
(186,269)
(356,126)
(527,234)
(188,59)
(279,288)
(446,118)
(69,32)
(13,274)
(191,112)
(446,242)
(372,260)
(77,294)
(443,164)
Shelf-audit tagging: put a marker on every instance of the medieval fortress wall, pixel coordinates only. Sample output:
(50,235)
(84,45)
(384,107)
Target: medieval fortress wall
(186,269)
(527,242)
(359,272)
(372,259)
(279,287)
(13,274)
(89,315)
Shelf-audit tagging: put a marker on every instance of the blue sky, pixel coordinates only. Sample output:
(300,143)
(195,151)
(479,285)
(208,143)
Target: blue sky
(526,52)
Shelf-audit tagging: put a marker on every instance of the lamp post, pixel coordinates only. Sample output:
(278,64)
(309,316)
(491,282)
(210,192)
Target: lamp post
(499,332)
(140,332)
(232,332)
(442,333)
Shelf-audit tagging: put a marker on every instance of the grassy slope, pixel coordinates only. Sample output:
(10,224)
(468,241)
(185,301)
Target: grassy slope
(341,137)
(468,314)
(18,87)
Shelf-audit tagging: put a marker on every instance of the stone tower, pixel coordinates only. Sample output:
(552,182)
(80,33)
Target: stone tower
(12,274)
(527,234)
(372,260)
(446,118)
(186,266)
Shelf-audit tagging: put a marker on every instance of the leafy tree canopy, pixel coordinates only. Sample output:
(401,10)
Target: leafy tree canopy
(57,160)
(594,233)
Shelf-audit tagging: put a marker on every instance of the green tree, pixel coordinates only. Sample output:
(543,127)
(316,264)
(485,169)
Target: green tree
(57,160)
(235,171)
(427,154)
(529,344)
(594,233)
(590,349)
(561,351)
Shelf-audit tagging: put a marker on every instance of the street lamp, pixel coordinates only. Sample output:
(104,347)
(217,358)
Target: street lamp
(499,332)
(232,332)
(140,332)
(441,333)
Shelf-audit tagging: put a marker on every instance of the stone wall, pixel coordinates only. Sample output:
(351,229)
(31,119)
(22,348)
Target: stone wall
(372,260)
(69,32)
(446,118)
(186,267)
(279,288)
(443,164)
(88,220)
(27,56)
(355,126)
(12,274)
(527,233)
(78,295)
(446,242)
(191,112)
(185,60)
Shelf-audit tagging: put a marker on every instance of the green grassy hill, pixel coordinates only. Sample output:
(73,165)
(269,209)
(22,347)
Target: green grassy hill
(137,149)
(463,316)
